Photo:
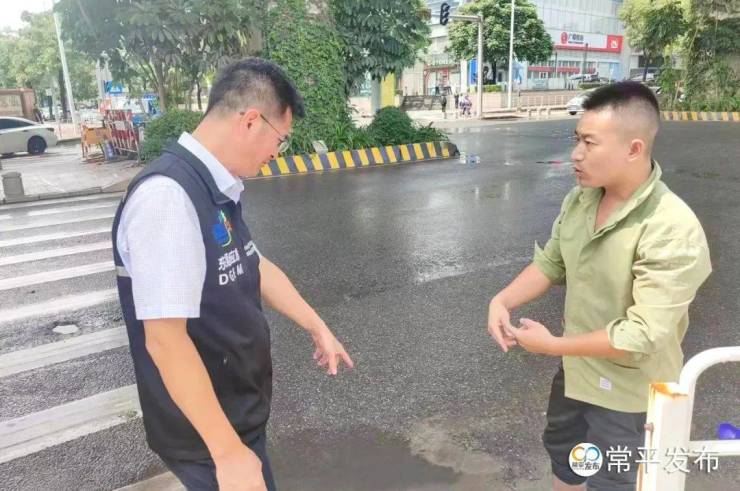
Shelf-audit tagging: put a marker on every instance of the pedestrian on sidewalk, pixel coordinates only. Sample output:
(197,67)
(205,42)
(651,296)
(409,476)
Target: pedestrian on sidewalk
(633,256)
(191,281)
(443,101)
(37,115)
(457,101)
(466,105)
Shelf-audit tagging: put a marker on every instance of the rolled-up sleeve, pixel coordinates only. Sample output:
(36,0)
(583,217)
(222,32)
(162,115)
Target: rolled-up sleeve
(667,275)
(549,260)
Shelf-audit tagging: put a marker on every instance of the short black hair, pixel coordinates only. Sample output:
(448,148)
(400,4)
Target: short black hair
(620,95)
(255,82)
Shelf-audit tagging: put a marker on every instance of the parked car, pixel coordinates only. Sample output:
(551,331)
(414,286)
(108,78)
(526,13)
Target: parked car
(23,135)
(575,105)
(648,78)
(589,77)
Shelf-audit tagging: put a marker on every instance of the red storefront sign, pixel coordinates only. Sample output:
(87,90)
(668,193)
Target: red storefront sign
(608,43)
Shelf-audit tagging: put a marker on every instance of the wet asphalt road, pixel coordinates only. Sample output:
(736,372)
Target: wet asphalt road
(401,262)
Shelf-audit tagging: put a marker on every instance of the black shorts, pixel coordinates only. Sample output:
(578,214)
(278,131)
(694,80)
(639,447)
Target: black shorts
(570,422)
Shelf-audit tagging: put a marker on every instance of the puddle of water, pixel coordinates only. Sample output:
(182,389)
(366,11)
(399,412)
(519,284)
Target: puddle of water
(364,459)
(439,454)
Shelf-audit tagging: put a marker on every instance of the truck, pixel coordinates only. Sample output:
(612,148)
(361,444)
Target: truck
(18,103)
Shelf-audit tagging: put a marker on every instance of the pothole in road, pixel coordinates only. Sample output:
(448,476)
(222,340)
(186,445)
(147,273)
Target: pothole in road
(65,327)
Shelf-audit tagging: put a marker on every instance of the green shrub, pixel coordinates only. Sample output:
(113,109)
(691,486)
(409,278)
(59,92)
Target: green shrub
(392,126)
(429,134)
(165,129)
(706,104)
(491,88)
(345,136)
(363,138)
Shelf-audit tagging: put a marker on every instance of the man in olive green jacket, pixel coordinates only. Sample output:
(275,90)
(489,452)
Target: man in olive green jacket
(633,256)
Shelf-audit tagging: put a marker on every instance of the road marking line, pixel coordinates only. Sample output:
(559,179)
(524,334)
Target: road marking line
(37,431)
(55,211)
(58,305)
(60,351)
(60,252)
(55,236)
(56,275)
(55,221)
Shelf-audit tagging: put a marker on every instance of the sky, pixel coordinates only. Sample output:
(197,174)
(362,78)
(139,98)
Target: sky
(11,10)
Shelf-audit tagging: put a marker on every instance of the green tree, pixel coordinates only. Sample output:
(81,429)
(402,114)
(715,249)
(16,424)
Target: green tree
(381,37)
(33,61)
(170,44)
(7,47)
(711,47)
(706,34)
(652,27)
(532,43)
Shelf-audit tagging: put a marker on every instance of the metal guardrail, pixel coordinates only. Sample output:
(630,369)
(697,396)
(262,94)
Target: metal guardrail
(668,427)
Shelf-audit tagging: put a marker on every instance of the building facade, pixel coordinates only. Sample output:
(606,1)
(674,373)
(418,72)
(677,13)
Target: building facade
(587,36)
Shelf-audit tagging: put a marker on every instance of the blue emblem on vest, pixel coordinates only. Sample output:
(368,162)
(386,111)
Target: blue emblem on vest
(222,230)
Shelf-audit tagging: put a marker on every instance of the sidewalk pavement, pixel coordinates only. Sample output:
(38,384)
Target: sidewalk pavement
(61,172)
(437,119)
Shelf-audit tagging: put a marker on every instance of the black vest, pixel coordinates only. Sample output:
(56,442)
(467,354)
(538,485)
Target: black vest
(231,335)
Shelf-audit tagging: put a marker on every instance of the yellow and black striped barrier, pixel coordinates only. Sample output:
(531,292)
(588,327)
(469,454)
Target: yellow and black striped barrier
(700,116)
(363,157)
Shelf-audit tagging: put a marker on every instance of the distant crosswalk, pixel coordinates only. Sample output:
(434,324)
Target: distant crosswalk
(56,267)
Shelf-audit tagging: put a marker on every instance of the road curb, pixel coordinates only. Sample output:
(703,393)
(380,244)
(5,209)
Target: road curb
(44,196)
(360,158)
(300,164)
(730,117)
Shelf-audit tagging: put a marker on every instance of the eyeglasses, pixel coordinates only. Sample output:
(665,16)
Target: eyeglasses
(284,140)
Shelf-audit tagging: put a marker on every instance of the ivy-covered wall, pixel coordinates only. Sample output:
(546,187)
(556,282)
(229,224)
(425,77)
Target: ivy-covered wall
(307,46)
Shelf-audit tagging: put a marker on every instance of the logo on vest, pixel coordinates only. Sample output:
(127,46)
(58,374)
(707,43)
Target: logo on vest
(222,230)
(250,248)
(229,267)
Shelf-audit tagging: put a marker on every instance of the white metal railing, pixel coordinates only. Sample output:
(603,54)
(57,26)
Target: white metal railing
(668,427)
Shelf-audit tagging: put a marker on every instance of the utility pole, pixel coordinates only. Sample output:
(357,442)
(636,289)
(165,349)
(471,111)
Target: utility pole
(583,68)
(511,50)
(65,70)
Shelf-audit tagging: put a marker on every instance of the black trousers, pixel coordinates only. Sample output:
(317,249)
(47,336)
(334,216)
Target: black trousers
(200,475)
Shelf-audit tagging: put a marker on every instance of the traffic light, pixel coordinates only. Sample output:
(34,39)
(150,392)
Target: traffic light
(444,13)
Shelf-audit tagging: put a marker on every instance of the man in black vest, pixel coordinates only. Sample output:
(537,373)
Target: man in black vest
(191,282)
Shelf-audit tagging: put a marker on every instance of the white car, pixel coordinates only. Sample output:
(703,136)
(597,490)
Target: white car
(575,105)
(23,135)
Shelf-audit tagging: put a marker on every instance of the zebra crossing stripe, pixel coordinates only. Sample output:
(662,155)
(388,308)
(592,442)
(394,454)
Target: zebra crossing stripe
(56,275)
(60,351)
(34,432)
(58,305)
(51,222)
(60,252)
(55,236)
